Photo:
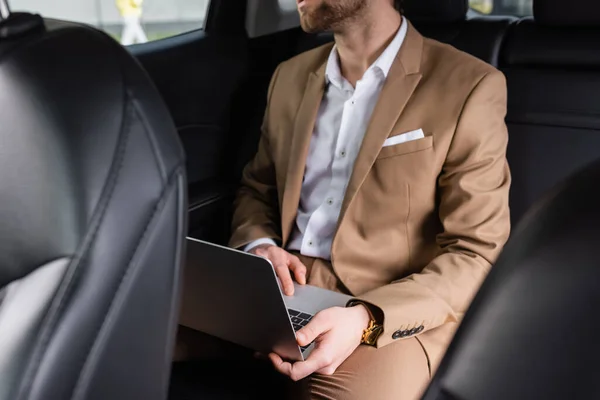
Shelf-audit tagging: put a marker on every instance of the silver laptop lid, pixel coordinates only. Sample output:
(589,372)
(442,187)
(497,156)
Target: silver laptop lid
(235,296)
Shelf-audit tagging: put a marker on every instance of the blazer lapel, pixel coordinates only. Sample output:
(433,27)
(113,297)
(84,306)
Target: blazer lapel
(303,129)
(403,78)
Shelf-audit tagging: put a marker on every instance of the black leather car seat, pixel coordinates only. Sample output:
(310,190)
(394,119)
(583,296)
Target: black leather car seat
(532,330)
(552,66)
(447,22)
(92,218)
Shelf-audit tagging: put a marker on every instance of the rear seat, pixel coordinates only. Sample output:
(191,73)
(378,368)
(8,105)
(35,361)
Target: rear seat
(447,22)
(552,65)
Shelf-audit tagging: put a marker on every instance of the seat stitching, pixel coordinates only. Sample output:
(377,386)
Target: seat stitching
(116,303)
(151,139)
(178,259)
(64,292)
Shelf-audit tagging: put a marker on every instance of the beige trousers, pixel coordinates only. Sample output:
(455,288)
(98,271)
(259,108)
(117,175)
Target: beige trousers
(399,371)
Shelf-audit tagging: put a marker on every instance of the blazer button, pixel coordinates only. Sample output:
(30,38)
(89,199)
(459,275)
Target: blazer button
(397,335)
(420,329)
(405,333)
(414,331)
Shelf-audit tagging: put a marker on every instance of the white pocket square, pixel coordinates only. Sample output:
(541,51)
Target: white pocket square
(405,137)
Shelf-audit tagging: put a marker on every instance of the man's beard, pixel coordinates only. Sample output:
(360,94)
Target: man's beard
(331,15)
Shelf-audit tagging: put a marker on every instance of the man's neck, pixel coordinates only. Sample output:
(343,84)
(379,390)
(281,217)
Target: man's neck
(360,43)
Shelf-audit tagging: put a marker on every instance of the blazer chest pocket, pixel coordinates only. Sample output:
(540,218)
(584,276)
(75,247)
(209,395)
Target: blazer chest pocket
(406,148)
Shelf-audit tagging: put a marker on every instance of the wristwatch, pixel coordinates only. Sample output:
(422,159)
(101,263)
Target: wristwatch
(373,331)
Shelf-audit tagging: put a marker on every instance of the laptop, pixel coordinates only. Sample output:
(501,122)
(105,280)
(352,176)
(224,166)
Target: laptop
(237,297)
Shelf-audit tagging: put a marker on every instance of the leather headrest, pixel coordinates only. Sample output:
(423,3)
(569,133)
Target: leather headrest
(527,45)
(582,13)
(19,24)
(436,10)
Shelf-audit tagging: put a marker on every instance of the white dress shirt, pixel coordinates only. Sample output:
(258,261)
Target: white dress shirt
(341,124)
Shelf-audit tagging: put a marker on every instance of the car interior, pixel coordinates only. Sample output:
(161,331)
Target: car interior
(110,156)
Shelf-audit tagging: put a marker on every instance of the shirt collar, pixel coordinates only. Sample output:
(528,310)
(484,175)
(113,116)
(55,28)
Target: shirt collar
(384,63)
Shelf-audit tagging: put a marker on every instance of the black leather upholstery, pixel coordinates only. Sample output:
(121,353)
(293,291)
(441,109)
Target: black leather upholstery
(572,13)
(532,44)
(481,37)
(532,330)
(446,21)
(92,220)
(553,109)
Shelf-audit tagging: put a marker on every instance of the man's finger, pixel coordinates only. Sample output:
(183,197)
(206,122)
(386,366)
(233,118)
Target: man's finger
(283,367)
(315,328)
(284,274)
(261,252)
(318,359)
(299,270)
(279,260)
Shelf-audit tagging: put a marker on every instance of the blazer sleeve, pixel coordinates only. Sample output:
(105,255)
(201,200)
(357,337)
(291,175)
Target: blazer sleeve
(256,207)
(474,212)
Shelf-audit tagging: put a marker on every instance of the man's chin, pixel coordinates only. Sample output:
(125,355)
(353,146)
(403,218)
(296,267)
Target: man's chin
(308,29)
(309,26)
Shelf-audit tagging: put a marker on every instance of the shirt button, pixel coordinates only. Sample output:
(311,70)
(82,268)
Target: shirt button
(310,243)
(343,153)
(330,201)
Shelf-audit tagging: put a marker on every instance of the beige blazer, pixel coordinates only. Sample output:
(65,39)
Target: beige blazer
(422,221)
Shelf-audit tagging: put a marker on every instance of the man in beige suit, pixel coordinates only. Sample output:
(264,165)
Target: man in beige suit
(380,173)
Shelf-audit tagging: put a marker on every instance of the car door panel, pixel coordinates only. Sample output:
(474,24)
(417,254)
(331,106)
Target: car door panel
(199,74)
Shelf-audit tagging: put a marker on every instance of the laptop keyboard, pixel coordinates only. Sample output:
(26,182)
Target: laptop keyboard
(299,320)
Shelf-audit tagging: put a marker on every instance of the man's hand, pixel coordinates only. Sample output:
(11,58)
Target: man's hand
(283,262)
(337,332)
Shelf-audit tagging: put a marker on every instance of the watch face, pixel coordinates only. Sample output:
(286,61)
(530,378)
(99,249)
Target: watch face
(370,336)
(370,340)
(367,337)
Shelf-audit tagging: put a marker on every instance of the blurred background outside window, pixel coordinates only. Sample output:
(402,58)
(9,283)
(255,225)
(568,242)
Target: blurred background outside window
(128,21)
(139,21)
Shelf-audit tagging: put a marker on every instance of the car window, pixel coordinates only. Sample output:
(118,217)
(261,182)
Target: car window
(128,21)
(519,8)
